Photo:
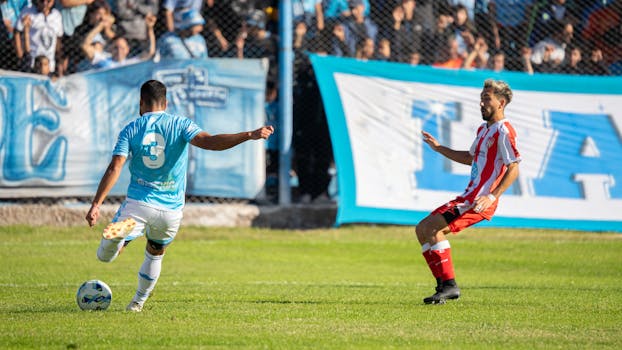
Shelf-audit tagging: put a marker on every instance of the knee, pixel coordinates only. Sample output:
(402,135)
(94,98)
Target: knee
(155,248)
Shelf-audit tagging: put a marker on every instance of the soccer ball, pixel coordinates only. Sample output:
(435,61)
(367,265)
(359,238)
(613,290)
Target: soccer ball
(94,295)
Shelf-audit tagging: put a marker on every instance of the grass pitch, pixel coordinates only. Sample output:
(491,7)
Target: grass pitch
(358,287)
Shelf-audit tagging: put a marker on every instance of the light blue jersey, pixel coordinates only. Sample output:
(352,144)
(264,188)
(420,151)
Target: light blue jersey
(158,145)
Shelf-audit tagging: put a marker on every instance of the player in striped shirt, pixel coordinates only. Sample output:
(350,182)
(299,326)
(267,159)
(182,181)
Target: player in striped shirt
(494,159)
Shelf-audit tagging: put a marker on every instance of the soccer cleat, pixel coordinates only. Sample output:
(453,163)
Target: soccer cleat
(119,230)
(449,290)
(134,307)
(439,284)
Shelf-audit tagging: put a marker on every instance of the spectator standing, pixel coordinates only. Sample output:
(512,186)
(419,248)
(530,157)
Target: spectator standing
(11,10)
(9,59)
(171,6)
(186,41)
(486,23)
(221,26)
(73,13)
(512,18)
(358,26)
(435,42)
(131,21)
(405,32)
(463,29)
(44,34)
(97,12)
(260,43)
(338,44)
(552,50)
(311,139)
(310,12)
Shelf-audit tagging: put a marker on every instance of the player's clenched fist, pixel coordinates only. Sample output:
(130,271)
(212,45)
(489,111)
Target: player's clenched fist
(262,133)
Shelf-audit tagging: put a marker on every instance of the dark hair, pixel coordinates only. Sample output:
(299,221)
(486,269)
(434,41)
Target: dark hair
(153,92)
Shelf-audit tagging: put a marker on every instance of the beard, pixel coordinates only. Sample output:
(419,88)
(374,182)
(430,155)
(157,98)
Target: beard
(486,114)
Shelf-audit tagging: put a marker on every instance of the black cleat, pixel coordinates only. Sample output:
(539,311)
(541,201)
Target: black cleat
(439,284)
(448,290)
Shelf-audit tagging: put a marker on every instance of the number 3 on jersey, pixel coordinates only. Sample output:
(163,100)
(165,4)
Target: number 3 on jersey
(153,150)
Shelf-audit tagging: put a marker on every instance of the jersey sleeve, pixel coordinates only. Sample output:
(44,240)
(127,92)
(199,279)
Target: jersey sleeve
(507,146)
(122,147)
(190,129)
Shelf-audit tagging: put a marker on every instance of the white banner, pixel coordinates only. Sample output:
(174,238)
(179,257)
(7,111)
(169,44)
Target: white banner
(57,138)
(568,135)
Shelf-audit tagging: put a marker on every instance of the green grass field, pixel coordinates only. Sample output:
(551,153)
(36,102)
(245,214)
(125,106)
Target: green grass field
(356,287)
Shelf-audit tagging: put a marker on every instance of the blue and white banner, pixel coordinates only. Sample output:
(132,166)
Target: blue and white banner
(57,138)
(569,135)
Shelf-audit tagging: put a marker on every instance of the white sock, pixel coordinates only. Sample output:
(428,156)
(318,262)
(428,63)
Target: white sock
(109,249)
(425,247)
(148,276)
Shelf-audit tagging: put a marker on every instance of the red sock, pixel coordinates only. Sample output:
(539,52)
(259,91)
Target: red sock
(431,260)
(441,253)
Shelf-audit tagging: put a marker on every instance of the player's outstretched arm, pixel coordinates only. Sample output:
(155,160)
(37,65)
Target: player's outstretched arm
(105,185)
(222,142)
(463,157)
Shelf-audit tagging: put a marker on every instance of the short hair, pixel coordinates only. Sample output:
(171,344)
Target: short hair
(500,88)
(153,92)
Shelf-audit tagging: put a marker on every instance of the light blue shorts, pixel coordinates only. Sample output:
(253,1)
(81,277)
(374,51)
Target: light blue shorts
(159,225)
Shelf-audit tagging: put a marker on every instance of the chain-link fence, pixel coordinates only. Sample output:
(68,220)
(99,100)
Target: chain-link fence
(532,36)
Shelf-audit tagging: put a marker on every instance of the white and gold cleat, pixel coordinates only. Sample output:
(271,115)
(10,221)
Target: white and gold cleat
(134,307)
(119,230)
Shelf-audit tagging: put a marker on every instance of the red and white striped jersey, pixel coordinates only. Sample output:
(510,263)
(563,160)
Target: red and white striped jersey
(492,150)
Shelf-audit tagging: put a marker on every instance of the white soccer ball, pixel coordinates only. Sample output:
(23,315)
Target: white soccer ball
(94,295)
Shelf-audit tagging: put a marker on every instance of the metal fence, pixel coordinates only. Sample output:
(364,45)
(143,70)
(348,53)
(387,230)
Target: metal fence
(531,36)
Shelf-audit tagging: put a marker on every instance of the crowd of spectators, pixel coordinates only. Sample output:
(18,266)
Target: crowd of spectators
(552,36)
(60,37)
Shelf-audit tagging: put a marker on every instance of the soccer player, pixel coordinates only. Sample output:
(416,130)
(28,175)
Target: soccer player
(156,145)
(494,159)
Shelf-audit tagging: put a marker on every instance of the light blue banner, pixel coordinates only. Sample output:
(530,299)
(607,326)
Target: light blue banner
(569,135)
(57,138)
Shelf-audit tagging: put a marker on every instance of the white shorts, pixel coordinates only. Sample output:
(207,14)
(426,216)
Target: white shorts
(159,225)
